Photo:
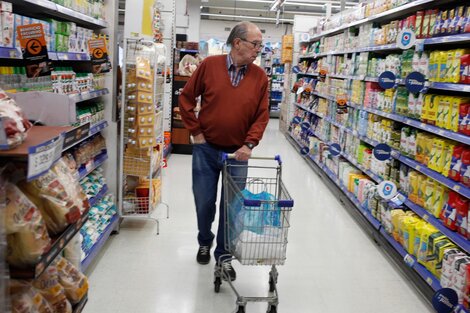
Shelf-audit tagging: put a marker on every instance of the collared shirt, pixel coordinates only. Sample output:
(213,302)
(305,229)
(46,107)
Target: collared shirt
(235,77)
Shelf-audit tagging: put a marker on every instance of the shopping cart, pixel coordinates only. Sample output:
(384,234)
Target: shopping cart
(257,209)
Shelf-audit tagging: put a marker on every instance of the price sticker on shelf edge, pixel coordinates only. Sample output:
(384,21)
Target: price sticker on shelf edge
(445,300)
(382,152)
(34,49)
(99,56)
(415,82)
(41,157)
(387,190)
(406,39)
(335,149)
(409,260)
(387,80)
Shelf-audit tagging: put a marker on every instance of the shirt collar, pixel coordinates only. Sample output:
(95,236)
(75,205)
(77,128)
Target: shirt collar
(231,65)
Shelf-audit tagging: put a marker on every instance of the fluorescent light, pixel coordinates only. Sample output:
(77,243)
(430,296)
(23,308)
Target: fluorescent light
(277,5)
(245,17)
(262,10)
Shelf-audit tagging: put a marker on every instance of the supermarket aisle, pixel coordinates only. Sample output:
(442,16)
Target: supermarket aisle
(332,266)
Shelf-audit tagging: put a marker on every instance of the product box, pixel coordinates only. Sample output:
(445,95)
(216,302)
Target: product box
(6,6)
(18,21)
(440,197)
(7,20)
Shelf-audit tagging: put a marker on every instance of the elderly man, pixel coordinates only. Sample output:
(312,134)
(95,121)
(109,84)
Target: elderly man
(233,116)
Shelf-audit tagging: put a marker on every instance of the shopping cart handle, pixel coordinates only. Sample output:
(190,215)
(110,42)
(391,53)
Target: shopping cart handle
(226,156)
(249,202)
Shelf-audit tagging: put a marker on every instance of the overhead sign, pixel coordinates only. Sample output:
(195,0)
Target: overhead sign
(382,152)
(415,82)
(335,149)
(406,39)
(99,56)
(387,80)
(34,49)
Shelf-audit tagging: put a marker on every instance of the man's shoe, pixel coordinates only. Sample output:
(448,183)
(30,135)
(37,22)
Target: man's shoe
(204,255)
(228,269)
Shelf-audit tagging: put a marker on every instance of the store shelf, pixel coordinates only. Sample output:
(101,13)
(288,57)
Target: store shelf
(78,308)
(460,38)
(40,7)
(88,95)
(84,170)
(388,15)
(411,261)
(417,124)
(58,244)
(36,136)
(94,251)
(80,133)
(455,186)
(188,50)
(94,200)
(450,87)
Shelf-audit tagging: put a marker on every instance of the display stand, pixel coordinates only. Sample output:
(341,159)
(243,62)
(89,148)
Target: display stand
(142,130)
(334,70)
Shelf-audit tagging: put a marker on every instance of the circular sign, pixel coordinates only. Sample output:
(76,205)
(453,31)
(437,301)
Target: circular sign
(382,152)
(296,120)
(296,69)
(341,100)
(98,53)
(415,82)
(305,126)
(387,189)
(33,46)
(444,300)
(335,149)
(304,37)
(406,39)
(387,80)
(304,151)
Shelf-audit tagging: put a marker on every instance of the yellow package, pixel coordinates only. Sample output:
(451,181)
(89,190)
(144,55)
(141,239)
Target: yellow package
(409,233)
(455,103)
(351,181)
(447,158)
(436,155)
(432,110)
(426,105)
(436,255)
(445,101)
(431,258)
(420,147)
(441,67)
(428,148)
(440,122)
(396,216)
(433,64)
(426,232)
(453,73)
(429,194)
(440,198)
(449,61)
(418,231)
(421,189)
(413,177)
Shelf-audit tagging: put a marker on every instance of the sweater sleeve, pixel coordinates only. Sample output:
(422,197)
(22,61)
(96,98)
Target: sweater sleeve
(261,118)
(187,100)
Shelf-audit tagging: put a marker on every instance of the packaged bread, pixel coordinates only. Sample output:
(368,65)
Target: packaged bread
(49,287)
(14,123)
(50,195)
(26,230)
(26,299)
(73,281)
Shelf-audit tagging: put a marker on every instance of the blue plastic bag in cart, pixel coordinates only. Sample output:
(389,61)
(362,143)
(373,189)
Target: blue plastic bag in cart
(254,219)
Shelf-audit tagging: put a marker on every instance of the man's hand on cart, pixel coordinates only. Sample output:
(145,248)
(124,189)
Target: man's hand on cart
(243,154)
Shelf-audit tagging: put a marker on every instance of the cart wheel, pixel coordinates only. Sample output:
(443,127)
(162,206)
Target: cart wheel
(272,285)
(217,283)
(241,309)
(272,309)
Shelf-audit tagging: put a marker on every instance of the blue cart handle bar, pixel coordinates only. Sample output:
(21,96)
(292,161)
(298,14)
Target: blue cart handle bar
(257,203)
(226,156)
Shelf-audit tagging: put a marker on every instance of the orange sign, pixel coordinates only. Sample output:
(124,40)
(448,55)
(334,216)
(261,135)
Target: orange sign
(99,55)
(31,38)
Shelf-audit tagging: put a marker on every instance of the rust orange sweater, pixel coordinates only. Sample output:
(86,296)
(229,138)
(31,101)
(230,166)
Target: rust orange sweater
(229,116)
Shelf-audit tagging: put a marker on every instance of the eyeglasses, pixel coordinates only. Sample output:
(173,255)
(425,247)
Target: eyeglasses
(256,45)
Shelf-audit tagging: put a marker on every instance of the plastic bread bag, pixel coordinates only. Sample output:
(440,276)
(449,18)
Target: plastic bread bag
(57,206)
(26,299)
(73,250)
(13,120)
(49,287)
(188,65)
(26,230)
(70,181)
(74,282)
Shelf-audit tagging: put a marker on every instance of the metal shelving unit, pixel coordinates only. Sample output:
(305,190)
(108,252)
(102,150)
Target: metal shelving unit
(423,278)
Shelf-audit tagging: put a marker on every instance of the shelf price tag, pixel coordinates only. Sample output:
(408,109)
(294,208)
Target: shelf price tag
(409,260)
(43,156)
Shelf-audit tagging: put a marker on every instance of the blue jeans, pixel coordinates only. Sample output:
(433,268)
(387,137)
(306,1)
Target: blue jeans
(207,166)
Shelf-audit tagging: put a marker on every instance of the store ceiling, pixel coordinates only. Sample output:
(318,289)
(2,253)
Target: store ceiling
(257,10)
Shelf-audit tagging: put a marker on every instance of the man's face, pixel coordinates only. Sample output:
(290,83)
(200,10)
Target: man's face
(249,48)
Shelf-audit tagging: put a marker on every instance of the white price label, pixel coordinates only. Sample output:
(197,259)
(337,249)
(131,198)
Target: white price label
(409,260)
(41,157)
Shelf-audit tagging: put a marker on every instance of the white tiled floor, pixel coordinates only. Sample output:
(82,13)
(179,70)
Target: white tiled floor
(332,265)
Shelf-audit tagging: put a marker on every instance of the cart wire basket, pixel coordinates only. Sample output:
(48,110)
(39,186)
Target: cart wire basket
(257,208)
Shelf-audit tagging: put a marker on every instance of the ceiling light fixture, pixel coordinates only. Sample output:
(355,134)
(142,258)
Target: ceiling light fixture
(263,10)
(277,5)
(245,17)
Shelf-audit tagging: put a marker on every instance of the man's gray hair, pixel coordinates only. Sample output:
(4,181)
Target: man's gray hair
(239,31)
